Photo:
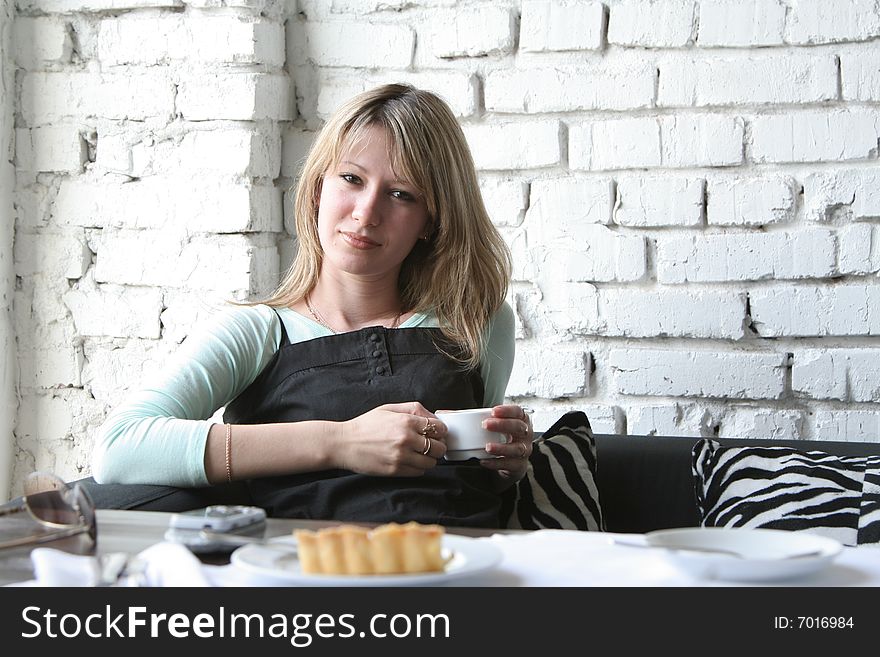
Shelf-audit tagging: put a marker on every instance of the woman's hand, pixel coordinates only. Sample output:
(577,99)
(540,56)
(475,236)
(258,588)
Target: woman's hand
(514,461)
(401,440)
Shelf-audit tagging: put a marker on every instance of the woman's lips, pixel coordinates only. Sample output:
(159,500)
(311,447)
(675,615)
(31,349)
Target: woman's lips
(359,241)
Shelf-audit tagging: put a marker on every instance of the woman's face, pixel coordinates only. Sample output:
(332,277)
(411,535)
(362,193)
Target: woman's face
(368,219)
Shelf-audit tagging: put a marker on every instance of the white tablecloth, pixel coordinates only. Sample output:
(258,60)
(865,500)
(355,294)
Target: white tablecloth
(541,558)
(570,558)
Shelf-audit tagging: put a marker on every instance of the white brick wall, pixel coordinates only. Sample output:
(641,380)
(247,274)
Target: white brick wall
(148,158)
(566,25)
(690,189)
(723,374)
(9,367)
(741,23)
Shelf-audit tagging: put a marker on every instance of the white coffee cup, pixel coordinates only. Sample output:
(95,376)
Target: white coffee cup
(467,438)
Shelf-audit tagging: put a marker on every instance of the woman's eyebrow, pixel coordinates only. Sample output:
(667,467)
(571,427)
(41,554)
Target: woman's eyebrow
(397,181)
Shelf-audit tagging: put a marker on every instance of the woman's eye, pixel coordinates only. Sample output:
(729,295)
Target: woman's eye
(350,178)
(402,195)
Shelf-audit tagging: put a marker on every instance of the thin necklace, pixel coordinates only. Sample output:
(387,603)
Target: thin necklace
(318,318)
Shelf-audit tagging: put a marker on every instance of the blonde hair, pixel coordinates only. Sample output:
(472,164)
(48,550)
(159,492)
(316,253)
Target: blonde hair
(461,271)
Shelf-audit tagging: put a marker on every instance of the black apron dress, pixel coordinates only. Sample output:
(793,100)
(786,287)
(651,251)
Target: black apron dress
(341,376)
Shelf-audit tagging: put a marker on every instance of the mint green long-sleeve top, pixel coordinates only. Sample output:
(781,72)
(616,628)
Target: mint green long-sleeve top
(158,434)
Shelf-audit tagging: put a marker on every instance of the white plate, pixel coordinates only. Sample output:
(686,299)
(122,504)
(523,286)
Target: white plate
(469,556)
(766,554)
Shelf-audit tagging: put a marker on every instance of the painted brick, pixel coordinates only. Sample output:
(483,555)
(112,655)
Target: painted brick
(237,152)
(219,263)
(211,206)
(787,78)
(656,201)
(703,140)
(474,32)
(816,311)
(458,89)
(596,253)
(563,308)
(814,136)
(295,146)
(847,426)
(186,311)
(858,249)
(371,6)
(52,98)
(750,201)
(603,419)
(41,318)
(816,21)
(568,203)
(855,193)
(809,253)
(671,313)
(273,8)
(555,90)
(55,254)
(669,420)
(741,23)
(42,41)
(64,6)
(549,373)
(506,200)
(50,148)
(860,75)
(670,141)
(367,44)
(114,310)
(166,38)
(51,366)
(43,418)
(762,424)
(835,373)
(615,144)
(109,374)
(651,23)
(722,374)
(235,96)
(566,25)
(522,145)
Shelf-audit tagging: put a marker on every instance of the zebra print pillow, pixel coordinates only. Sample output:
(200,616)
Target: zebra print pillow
(559,491)
(784,488)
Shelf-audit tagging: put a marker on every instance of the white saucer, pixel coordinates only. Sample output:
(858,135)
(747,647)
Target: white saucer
(764,554)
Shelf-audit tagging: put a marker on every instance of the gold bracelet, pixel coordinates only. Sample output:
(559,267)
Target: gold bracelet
(229,453)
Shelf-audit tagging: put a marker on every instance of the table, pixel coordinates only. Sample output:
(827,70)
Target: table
(542,558)
(133,531)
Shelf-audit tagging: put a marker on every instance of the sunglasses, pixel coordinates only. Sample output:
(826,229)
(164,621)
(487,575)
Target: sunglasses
(59,509)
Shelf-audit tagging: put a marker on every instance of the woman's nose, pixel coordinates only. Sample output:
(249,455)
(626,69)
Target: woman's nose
(366,209)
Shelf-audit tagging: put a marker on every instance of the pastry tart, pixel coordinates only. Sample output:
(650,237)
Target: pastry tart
(385,550)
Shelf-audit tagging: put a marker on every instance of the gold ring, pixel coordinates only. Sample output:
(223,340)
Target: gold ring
(525,449)
(428,428)
(427,445)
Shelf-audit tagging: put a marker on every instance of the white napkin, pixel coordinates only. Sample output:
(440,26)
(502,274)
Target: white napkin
(162,564)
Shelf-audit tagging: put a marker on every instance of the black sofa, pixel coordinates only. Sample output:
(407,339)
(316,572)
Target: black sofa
(645,482)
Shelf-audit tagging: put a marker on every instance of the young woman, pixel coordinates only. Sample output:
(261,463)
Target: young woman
(392,309)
